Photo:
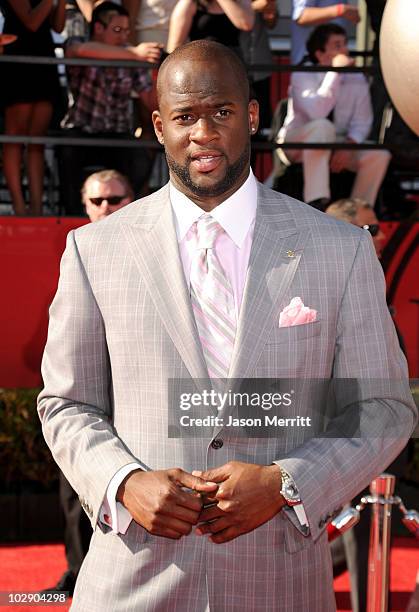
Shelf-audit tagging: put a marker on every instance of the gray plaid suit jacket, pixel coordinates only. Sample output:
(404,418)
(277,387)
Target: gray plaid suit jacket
(121,325)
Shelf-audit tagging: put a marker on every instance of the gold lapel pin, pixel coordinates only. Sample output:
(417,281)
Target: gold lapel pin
(290,253)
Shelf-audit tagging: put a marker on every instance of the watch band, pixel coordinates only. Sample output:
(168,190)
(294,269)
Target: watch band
(296,504)
(289,489)
(301,514)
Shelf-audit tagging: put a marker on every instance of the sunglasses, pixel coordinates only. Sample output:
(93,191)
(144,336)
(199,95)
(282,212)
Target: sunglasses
(111,200)
(373,229)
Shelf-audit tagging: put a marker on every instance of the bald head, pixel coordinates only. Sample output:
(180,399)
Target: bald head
(208,52)
(205,121)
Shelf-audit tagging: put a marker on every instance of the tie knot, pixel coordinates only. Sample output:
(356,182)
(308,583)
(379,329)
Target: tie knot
(207,231)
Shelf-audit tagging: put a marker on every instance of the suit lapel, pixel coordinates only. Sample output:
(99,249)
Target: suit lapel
(153,242)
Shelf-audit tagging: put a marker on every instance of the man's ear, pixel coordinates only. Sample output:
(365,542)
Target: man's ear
(318,55)
(98,28)
(158,126)
(253,113)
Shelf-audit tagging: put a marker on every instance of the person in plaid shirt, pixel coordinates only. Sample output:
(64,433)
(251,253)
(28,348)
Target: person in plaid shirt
(101,104)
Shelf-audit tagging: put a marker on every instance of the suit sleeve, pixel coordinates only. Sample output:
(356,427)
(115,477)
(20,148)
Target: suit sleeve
(75,406)
(370,375)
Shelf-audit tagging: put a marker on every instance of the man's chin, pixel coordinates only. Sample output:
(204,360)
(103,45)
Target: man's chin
(207,180)
(215,183)
(208,186)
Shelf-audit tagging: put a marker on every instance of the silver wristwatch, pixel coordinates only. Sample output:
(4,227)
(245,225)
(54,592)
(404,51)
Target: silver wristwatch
(289,489)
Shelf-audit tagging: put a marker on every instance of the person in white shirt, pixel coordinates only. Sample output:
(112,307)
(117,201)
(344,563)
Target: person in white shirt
(330,107)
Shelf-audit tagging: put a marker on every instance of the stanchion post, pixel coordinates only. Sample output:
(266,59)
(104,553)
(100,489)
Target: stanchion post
(382,489)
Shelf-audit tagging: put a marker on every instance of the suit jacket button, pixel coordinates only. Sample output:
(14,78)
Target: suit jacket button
(217,443)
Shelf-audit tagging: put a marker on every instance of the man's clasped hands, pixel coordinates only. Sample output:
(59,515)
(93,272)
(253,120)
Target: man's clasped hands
(224,502)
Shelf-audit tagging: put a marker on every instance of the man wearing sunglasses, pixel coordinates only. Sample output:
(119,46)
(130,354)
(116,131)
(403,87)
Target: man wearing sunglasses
(105,192)
(360,213)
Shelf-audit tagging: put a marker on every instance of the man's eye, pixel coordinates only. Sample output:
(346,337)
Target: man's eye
(223,112)
(183,118)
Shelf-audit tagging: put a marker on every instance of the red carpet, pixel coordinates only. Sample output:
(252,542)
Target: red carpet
(404,567)
(31,568)
(35,567)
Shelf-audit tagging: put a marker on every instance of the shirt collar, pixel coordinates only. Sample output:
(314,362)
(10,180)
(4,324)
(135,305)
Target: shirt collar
(235,215)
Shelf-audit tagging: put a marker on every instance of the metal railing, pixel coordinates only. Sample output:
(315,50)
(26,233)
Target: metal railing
(382,501)
(59,138)
(91,141)
(79,61)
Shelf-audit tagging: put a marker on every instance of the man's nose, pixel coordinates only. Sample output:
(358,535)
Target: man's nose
(204,130)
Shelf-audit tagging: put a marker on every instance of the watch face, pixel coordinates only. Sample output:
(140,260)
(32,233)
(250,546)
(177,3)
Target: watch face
(290,492)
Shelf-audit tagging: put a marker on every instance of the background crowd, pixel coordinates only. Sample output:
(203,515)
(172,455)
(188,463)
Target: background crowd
(115,102)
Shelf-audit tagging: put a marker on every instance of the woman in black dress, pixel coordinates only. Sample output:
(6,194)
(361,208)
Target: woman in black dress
(218,20)
(29,92)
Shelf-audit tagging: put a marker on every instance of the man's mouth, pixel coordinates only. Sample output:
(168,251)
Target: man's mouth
(206,161)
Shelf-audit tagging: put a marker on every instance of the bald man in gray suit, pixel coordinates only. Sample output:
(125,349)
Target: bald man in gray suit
(246,530)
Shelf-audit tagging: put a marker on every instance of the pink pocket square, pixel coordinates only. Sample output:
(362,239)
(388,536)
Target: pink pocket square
(296,314)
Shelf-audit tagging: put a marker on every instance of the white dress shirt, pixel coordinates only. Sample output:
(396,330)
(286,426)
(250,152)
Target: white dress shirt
(313,95)
(236,215)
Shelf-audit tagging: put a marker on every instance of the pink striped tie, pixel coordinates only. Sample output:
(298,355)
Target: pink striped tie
(212,300)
